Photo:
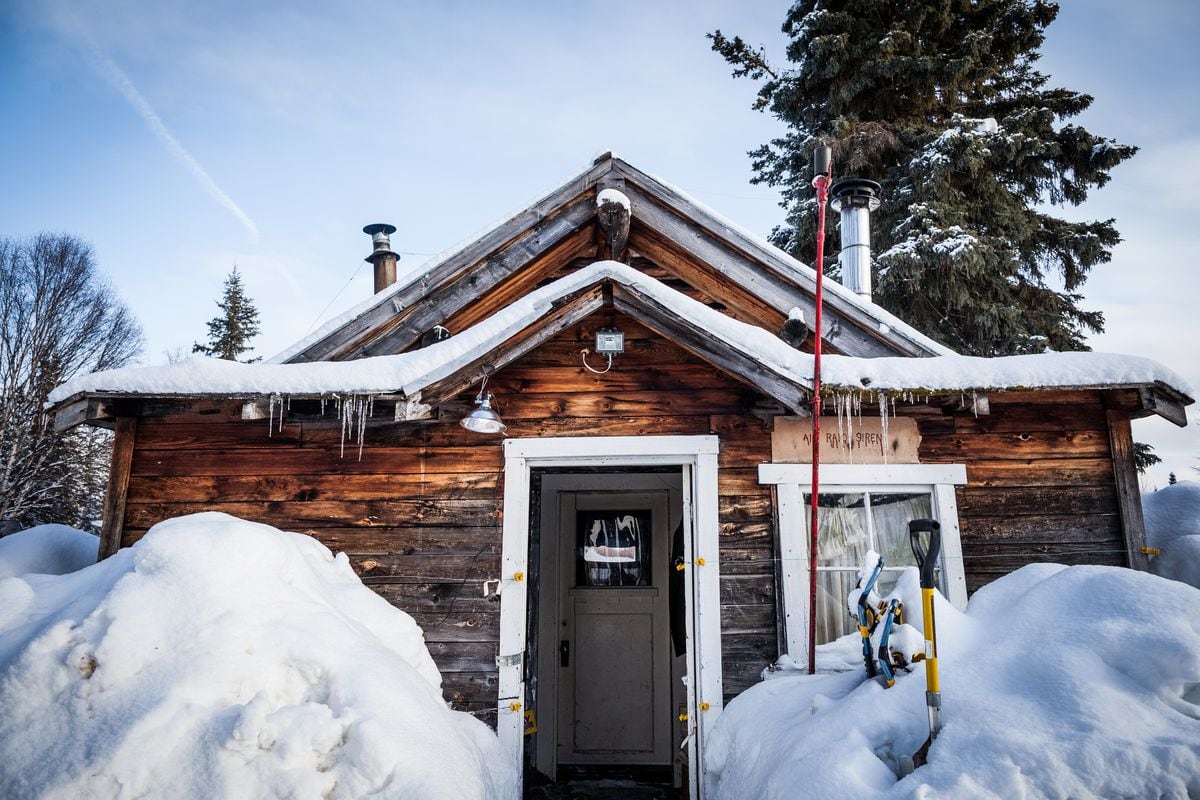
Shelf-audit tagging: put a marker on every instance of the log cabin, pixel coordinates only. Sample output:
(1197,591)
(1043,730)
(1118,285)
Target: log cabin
(577,450)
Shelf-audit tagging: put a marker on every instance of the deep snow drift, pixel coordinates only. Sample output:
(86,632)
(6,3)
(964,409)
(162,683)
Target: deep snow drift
(1079,682)
(222,658)
(1173,526)
(47,550)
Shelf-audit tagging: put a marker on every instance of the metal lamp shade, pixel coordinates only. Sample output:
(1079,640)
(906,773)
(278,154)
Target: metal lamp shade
(482,418)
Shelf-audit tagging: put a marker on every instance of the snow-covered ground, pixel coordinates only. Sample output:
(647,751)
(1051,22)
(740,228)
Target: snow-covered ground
(1173,526)
(175,670)
(1057,682)
(47,550)
(219,658)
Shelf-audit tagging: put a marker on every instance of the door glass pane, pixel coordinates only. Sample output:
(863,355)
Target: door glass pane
(842,536)
(612,548)
(891,514)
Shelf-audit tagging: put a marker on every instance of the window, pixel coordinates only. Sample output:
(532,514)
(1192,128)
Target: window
(859,508)
(613,548)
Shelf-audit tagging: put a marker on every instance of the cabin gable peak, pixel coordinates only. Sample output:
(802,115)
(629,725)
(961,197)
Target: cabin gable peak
(665,233)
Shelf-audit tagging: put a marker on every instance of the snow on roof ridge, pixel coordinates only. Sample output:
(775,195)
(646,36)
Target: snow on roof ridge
(874,309)
(422,270)
(410,372)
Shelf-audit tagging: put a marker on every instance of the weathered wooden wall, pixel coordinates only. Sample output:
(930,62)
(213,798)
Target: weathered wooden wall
(419,513)
(1040,480)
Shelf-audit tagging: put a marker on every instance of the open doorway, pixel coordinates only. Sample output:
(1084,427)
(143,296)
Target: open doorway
(607,628)
(694,460)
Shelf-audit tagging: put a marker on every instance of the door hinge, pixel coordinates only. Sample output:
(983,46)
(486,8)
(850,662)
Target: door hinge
(514,660)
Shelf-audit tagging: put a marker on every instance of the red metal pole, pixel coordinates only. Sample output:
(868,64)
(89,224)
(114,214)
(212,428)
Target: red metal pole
(821,182)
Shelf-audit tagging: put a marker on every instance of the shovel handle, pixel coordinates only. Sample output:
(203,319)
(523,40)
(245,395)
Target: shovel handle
(926,555)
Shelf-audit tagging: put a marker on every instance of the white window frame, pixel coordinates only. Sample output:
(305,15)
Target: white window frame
(697,458)
(793,481)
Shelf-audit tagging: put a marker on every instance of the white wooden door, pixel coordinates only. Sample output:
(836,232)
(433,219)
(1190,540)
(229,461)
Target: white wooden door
(614,643)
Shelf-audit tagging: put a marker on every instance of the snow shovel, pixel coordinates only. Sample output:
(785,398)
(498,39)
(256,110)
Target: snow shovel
(927,556)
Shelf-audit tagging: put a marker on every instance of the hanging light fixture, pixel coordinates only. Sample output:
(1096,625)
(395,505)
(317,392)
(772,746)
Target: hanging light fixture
(483,419)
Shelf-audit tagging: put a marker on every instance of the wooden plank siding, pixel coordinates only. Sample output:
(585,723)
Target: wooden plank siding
(419,513)
(1040,481)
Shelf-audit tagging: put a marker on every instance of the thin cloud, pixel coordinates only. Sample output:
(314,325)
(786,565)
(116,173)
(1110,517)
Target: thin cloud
(120,81)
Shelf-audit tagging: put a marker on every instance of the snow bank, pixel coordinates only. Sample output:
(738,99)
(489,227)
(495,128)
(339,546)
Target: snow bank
(411,372)
(47,550)
(1173,526)
(222,658)
(1079,682)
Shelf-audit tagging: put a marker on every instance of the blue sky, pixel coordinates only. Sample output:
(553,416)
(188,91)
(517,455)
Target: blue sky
(179,138)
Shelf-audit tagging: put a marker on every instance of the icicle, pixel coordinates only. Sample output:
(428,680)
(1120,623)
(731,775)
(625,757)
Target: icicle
(270,415)
(883,425)
(281,411)
(364,411)
(342,409)
(839,403)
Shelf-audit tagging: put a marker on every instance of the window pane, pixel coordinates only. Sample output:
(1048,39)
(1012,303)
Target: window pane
(887,581)
(613,548)
(842,539)
(891,514)
(833,620)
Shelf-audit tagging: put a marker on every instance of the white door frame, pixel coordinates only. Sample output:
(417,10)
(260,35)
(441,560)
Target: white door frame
(697,456)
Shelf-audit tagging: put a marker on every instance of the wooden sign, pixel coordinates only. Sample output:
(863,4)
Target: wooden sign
(856,441)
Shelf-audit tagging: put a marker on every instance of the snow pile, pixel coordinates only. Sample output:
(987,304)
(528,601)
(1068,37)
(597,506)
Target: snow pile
(222,658)
(612,196)
(47,550)
(1079,682)
(411,372)
(1173,526)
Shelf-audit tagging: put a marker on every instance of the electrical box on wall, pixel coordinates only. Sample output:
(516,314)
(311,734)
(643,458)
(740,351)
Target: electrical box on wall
(609,341)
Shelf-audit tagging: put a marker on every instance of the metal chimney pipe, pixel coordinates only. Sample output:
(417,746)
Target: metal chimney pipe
(856,198)
(382,255)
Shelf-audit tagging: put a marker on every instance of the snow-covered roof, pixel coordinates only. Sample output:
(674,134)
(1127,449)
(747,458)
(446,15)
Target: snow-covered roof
(379,311)
(806,275)
(409,373)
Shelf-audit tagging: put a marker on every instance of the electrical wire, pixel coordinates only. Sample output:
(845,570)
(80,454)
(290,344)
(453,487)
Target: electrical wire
(353,275)
(584,353)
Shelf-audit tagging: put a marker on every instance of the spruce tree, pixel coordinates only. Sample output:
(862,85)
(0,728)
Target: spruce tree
(940,101)
(1144,457)
(230,332)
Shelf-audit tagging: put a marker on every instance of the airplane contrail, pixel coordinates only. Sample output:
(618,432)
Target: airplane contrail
(120,81)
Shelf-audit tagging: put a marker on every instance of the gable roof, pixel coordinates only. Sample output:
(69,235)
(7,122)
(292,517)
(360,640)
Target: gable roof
(672,230)
(433,374)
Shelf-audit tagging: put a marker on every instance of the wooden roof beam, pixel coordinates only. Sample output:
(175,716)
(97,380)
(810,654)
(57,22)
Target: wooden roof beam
(765,258)
(1143,401)
(741,304)
(855,335)
(471,283)
(581,243)
(701,343)
(476,251)
(90,410)
(569,312)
